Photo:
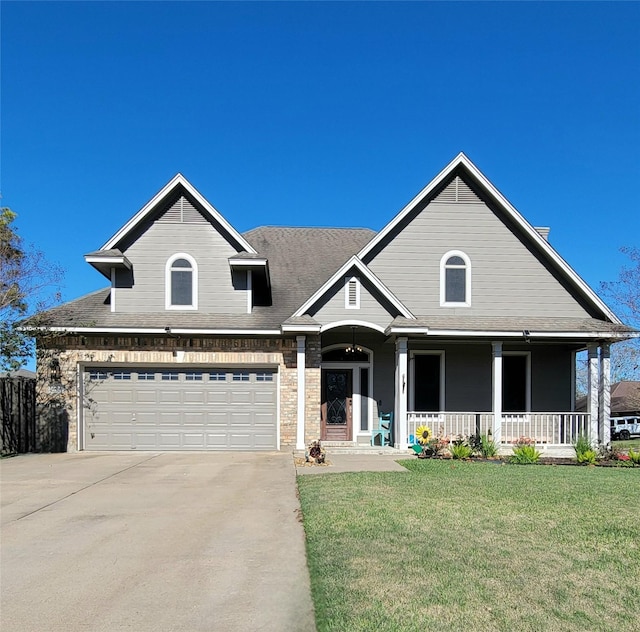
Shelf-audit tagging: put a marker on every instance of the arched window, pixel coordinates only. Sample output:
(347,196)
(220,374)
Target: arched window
(181,285)
(455,279)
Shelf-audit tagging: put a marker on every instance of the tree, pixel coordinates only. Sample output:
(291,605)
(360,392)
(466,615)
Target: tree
(29,284)
(624,294)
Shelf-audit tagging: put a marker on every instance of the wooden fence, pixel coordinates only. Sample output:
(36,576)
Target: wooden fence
(18,412)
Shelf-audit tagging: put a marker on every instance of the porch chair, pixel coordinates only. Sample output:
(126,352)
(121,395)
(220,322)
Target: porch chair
(384,430)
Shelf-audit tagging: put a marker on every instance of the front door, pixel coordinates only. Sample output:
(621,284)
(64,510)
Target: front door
(337,404)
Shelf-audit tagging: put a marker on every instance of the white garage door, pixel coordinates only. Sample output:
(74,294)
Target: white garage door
(179,409)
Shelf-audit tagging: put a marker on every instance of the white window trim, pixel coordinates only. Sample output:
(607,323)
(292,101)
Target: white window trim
(412,377)
(467,279)
(194,282)
(348,281)
(526,354)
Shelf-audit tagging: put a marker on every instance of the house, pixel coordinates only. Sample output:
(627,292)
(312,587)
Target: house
(624,398)
(458,314)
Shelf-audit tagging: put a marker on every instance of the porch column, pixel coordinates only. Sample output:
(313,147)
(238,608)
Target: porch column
(604,408)
(497,391)
(300,363)
(401,395)
(592,396)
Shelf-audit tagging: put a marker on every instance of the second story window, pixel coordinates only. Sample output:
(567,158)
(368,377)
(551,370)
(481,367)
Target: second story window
(455,279)
(181,285)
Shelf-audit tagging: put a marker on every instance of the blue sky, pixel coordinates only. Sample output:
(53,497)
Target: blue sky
(319,114)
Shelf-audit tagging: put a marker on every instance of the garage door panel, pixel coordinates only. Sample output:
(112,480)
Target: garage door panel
(146,395)
(194,397)
(240,397)
(166,396)
(217,396)
(190,410)
(264,397)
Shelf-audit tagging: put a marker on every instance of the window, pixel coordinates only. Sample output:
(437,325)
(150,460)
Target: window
(181,285)
(455,279)
(352,293)
(217,376)
(241,376)
(427,385)
(121,375)
(193,376)
(263,376)
(98,375)
(169,376)
(146,376)
(516,382)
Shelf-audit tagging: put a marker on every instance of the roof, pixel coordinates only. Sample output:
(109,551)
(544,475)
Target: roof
(524,327)
(625,398)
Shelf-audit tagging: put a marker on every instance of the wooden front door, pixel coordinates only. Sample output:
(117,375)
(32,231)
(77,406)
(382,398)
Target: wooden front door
(337,404)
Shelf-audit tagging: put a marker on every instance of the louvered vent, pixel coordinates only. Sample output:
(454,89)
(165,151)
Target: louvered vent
(457,191)
(183,212)
(352,299)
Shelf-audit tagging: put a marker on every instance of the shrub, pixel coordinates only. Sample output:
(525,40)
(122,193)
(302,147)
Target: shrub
(588,457)
(584,451)
(634,457)
(436,445)
(460,450)
(524,454)
(488,447)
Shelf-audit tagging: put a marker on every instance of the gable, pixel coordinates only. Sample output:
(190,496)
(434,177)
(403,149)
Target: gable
(353,298)
(177,225)
(170,195)
(514,271)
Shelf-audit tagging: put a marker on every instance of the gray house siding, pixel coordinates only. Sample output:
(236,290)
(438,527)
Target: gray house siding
(149,254)
(507,279)
(372,309)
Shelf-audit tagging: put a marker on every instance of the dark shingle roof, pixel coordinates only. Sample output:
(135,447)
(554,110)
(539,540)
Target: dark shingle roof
(302,259)
(509,323)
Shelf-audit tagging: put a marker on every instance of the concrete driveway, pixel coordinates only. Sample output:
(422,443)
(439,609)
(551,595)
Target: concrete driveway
(162,542)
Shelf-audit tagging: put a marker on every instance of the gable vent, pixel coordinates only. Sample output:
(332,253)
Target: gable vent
(457,191)
(352,294)
(183,212)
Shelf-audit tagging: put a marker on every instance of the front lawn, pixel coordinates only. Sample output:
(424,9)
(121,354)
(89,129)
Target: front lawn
(474,546)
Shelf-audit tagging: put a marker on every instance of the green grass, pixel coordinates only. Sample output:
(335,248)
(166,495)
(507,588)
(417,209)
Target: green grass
(474,546)
(625,445)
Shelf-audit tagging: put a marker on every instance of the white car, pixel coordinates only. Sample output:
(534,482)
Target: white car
(625,427)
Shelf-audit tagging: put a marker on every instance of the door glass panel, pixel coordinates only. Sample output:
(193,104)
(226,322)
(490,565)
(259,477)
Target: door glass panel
(336,397)
(364,399)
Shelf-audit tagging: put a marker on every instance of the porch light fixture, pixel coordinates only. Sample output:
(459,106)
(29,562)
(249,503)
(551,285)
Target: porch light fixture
(55,375)
(354,348)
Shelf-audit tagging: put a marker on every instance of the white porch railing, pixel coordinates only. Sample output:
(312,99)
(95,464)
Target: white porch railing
(545,428)
(552,429)
(450,424)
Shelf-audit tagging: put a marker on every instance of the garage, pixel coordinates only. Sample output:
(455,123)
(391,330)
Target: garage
(160,408)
